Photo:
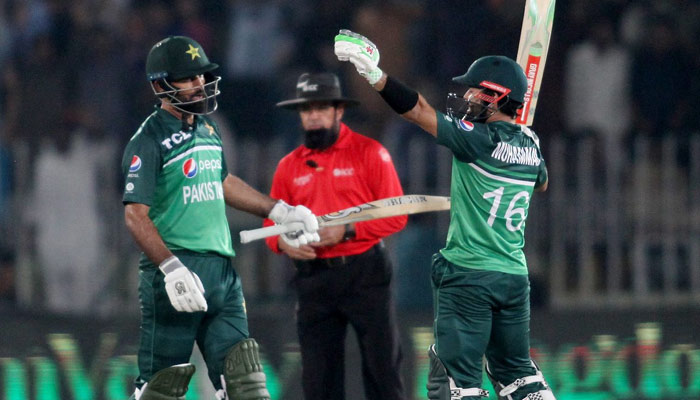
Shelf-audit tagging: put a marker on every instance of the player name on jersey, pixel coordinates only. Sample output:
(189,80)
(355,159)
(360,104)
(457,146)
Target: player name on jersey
(508,153)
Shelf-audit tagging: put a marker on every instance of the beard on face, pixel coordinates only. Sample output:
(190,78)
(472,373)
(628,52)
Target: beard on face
(478,112)
(322,138)
(203,106)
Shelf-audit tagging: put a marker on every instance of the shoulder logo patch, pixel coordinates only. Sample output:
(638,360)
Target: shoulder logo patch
(210,128)
(384,155)
(465,125)
(135,163)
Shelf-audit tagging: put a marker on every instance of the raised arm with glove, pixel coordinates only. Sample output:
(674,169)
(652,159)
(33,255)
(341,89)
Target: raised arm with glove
(364,55)
(361,52)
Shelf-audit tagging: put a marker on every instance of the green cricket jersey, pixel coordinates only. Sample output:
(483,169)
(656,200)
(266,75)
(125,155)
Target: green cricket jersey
(178,172)
(495,169)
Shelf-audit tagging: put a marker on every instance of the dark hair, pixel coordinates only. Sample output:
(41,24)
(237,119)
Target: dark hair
(509,107)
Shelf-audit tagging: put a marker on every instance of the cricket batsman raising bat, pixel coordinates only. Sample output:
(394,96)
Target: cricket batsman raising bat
(480,278)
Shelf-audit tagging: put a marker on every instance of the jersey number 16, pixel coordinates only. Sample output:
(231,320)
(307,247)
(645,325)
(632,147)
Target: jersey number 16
(512,210)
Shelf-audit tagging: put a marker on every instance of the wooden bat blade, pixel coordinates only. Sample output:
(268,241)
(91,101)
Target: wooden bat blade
(383,208)
(532,52)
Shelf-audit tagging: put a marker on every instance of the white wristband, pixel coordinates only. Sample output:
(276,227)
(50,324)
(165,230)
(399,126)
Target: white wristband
(170,264)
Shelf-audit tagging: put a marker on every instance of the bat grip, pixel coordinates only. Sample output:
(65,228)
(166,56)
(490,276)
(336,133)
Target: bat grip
(274,230)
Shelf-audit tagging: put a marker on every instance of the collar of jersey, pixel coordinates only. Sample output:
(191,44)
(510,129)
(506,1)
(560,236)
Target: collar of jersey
(342,142)
(172,120)
(506,125)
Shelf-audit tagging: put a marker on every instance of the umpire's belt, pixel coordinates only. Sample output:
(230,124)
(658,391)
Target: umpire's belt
(335,262)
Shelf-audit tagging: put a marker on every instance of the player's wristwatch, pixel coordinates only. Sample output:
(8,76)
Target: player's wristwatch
(349,233)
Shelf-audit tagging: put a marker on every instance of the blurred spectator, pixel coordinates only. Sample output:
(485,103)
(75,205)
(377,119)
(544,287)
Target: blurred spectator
(191,23)
(633,23)
(259,45)
(7,276)
(659,81)
(6,178)
(6,194)
(5,35)
(596,84)
(65,214)
(40,92)
(30,19)
(317,22)
(134,48)
(101,101)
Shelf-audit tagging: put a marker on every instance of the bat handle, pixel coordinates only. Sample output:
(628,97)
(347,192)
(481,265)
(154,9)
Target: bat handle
(274,230)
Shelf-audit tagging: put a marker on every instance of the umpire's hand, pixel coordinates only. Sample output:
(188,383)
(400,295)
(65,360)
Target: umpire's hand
(303,252)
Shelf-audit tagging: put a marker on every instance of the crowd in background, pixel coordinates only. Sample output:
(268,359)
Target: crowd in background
(73,91)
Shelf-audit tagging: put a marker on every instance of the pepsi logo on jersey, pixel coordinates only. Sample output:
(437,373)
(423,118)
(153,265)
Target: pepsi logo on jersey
(189,168)
(135,163)
(466,125)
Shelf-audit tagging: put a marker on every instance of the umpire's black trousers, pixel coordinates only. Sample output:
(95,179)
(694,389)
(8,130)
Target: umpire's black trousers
(333,293)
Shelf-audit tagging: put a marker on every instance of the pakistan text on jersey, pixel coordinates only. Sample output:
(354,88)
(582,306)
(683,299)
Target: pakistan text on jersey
(508,153)
(207,191)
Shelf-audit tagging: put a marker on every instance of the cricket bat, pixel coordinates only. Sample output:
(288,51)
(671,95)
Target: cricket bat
(532,52)
(382,208)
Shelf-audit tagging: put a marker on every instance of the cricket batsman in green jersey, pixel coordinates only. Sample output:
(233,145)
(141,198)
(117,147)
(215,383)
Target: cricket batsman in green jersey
(480,279)
(176,190)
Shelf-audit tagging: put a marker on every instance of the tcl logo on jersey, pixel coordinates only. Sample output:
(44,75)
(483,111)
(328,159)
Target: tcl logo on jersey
(135,163)
(176,138)
(466,125)
(189,168)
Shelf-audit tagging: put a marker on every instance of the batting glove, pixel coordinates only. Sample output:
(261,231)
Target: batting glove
(298,217)
(361,52)
(184,288)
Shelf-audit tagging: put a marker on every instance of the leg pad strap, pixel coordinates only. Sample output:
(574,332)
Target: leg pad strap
(243,372)
(441,386)
(168,384)
(506,391)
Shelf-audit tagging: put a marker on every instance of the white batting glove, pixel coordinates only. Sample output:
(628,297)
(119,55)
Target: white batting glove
(298,238)
(184,288)
(361,52)
(284,214)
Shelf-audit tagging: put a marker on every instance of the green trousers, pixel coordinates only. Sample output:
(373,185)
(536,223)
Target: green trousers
(481,313)
(168,336)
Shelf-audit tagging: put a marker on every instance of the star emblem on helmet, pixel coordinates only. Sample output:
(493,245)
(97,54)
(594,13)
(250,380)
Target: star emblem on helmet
(193,51)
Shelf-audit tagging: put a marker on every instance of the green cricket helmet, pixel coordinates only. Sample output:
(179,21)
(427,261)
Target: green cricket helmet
(176,58)
(505,85)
